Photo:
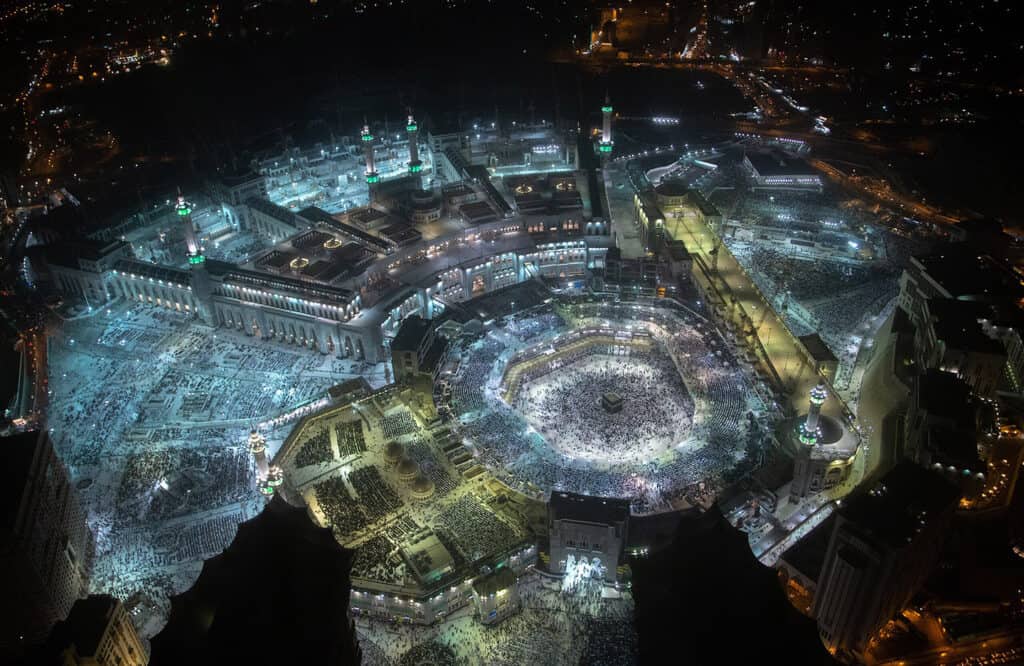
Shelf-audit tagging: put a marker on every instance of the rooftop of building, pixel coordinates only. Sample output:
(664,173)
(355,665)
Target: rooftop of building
(315,215)
(584,508)
(956,323)
(69,253)
(818,349)
(945,396)
(492,583)
(706,208)
(433,357)
(271,209)
(248,278)
(954,447)
(900,504)
(672,188)
(153,271)
(808,554)
(478,212)
(235,177)
(649,205)
(777,163)
(410,333)
(966,275)
(84,625)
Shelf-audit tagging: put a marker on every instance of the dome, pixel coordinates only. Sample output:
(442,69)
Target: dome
(407,469)
(422,197)
(422,486)
(393,452)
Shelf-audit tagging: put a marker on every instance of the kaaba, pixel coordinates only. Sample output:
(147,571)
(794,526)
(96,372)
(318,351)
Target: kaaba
(612,402)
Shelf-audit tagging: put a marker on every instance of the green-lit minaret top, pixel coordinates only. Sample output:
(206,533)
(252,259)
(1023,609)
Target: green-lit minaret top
(415,165)
(606,126)
(371,172)
(184,211)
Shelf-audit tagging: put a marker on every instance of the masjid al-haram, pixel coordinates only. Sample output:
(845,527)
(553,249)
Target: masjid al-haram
(503,333)
(471,375)
(431,390)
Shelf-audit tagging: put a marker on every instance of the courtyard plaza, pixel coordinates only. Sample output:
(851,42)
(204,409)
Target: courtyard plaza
(150,410)
(387,479)
(710,385)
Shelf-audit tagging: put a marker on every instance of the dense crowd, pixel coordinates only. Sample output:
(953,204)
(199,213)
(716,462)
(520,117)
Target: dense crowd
(375,495)
(316,449)
(398,424)
(378,560)
(551,626)
(475,530)
(420,453)
(564,404)
(528,328)
(831,298)
(521,456)
(335,500)
(350,438)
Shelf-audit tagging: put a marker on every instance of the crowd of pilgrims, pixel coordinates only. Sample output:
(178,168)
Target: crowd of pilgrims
(523,459)
(550,627)
(836,295)
(566,407)
(474,529)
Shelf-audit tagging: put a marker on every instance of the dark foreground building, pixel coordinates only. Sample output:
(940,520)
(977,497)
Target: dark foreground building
(277,595)
(97,632)
(46,547)
(705,599)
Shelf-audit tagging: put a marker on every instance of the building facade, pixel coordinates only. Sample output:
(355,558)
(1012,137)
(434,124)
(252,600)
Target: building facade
(587,529)
(98,632)
(884,544)
(46,547)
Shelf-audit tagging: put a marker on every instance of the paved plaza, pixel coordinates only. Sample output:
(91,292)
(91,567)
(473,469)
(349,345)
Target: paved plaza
(151,411)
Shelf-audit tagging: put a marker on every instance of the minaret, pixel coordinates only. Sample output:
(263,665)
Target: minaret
(258,449)
(199,278)
(184,211)
(810,432)
(606,126)
(415,165)
(372,177)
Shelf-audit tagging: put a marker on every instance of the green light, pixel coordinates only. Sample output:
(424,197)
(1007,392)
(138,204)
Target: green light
(606,109)
(184,210)
(372,178)
(196,259)
(415,168)
(367,137)
(411,128)
(605,148)
(805,437)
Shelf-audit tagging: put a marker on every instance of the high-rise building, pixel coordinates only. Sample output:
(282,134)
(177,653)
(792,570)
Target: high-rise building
(97,632)
(46,547)
(885,542)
